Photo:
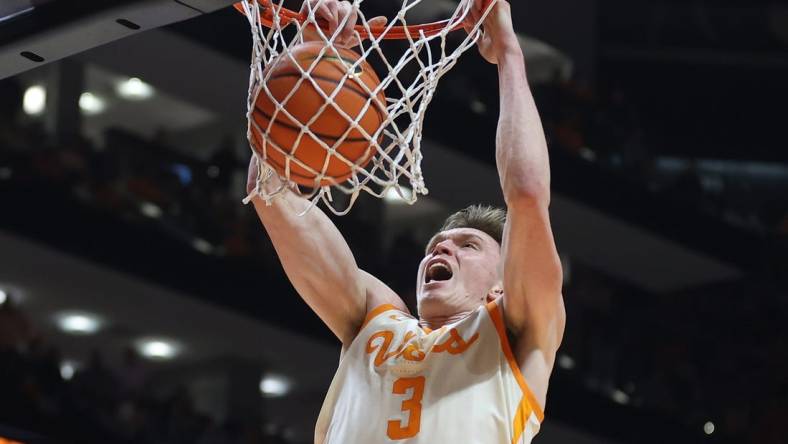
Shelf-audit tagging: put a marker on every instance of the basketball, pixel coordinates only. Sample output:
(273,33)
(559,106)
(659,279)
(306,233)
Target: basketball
(327,125)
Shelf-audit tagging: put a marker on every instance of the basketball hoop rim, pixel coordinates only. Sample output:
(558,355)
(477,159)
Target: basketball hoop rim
(395,33)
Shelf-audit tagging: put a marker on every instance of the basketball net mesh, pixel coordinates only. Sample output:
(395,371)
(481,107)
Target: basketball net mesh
(409,84)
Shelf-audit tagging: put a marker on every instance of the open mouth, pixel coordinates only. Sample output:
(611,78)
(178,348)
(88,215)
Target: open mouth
(437,271)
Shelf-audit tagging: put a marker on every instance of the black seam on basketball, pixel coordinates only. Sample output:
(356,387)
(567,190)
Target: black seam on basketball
(326,177)
(363,94)
(320,135)
(285,154)
(356,164)
(293,173)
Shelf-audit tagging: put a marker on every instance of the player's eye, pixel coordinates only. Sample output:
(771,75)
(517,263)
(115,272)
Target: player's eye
(471,245)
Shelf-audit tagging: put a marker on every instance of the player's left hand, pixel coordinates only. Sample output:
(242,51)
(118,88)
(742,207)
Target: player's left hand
(499,35)
(339,17)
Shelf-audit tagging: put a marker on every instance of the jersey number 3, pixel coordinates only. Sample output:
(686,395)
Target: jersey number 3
(412,405)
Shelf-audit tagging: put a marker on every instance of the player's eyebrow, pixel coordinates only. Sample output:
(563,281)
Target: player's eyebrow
(471,235)
(441,236)
(467,235)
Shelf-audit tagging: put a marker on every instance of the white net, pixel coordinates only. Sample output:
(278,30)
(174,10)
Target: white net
(409,70)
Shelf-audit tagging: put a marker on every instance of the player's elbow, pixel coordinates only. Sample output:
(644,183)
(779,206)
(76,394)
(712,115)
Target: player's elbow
(527,195)
(520,187)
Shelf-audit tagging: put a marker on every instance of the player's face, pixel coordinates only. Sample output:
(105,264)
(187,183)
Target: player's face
(460,268)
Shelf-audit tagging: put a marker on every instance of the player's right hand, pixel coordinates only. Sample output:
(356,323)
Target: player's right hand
(251,174)
(256,169)
(499,35)
(331,15)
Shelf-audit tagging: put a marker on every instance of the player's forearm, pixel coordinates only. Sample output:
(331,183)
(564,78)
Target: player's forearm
(310,242)
(521,149)
(316,259)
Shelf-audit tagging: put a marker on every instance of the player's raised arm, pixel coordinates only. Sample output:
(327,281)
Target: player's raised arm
(532,276)
(312,251)
(318,261)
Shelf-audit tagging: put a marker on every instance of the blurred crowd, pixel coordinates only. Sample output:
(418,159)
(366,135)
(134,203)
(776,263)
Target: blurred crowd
(714,354)
(98,403)
(605,127)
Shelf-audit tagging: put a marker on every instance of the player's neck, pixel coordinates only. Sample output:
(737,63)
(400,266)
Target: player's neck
(436,321)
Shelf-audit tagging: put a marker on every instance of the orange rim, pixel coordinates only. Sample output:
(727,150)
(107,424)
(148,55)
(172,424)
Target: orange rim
(396,32)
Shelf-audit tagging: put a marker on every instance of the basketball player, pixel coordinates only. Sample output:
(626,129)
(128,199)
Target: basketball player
(474,366)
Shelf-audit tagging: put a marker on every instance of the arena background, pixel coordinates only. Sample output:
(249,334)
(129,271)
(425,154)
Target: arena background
(141,302)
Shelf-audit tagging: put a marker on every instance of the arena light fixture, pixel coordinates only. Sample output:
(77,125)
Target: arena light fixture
(566,362)
(202,245)
(151,210)
(134,89)
(3,296)
(393,197)
(34,100)
(91,104)
(619,397)
(68,368)
(478,107)
(587,154)
(274,386)
(158,349)
(78,323)
(708,428)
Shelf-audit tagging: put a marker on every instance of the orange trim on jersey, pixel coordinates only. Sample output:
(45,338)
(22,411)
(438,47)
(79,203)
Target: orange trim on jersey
(528,395)
(524,411)
(380,309)
(520,420)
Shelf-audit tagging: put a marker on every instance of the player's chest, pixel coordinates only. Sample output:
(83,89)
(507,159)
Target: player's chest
(399,345)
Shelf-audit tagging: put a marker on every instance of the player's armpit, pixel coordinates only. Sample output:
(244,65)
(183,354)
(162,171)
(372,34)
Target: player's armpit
(378,293)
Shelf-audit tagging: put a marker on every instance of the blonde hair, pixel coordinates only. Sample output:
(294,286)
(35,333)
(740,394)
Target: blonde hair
(484,218)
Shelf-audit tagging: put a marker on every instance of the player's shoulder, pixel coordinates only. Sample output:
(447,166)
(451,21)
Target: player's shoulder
(380,299)
(396,314)
(379,294)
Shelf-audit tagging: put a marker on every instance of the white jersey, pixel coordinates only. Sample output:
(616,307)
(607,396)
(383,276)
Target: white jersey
(399,382)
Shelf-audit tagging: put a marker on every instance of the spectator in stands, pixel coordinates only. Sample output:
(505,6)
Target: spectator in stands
(16,331)
(224,164)
(132,376)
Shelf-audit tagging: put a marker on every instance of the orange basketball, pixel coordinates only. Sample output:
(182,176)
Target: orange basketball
(305,105)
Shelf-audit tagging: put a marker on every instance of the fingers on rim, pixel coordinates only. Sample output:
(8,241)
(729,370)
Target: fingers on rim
(328,11)
(473,13)
(334,12)
(480,9)
(378,21)
(311,4)
(352,15)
